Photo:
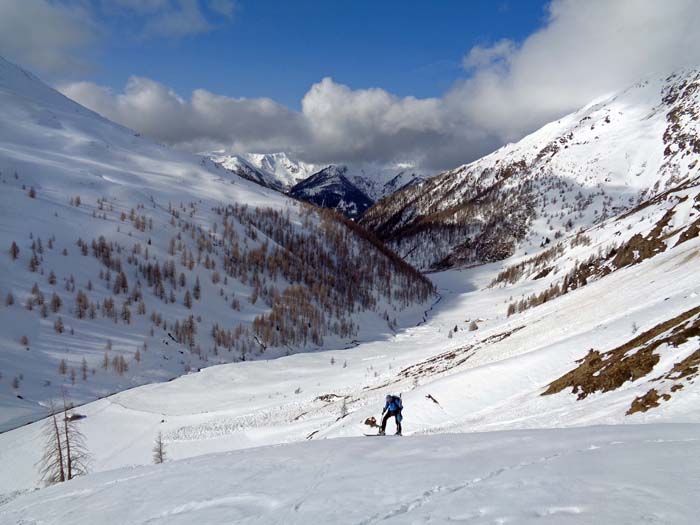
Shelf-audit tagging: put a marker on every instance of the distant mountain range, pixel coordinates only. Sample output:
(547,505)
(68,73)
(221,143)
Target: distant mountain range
(346,189)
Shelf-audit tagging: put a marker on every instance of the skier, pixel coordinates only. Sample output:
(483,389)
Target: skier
(392,408)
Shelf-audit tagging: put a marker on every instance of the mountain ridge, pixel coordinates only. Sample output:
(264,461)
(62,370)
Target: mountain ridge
(569,173)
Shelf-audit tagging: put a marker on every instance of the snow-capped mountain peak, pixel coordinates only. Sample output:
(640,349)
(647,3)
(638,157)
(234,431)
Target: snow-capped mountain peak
(274,170)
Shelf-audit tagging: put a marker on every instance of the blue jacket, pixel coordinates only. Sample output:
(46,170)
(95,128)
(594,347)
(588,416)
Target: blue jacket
(393,405)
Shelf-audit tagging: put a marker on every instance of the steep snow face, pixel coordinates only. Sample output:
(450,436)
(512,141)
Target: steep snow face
(587,166)
(288,171)
(274,170)
(125,262)
(605,475)
(330,188)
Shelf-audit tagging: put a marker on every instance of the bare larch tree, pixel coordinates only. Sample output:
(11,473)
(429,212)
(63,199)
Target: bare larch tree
(159,449)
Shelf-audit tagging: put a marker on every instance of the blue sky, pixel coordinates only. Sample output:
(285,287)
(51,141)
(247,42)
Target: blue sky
(277,49)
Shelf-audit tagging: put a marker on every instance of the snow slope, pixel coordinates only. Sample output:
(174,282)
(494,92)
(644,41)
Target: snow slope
(606,475)
(379,182)
(85,200)
(498,386)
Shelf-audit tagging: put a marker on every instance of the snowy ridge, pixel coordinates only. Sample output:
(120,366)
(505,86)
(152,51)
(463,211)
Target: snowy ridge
(360,186)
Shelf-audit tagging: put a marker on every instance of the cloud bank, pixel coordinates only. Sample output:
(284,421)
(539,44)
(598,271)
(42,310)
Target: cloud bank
(49,36)
(59,36)
(583,50)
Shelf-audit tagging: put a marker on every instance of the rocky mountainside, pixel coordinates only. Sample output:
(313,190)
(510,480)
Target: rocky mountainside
(610,156)
(330,188)
(125,262)
(379,182)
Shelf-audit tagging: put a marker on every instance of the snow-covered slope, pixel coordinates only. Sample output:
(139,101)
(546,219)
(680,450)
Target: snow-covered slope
(587,166)
(487,379)
(274,170)
(125,262)
(604,475)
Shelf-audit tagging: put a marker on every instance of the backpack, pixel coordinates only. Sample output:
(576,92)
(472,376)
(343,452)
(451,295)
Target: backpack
(397,402)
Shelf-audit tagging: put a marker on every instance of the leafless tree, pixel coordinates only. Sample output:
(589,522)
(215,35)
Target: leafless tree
(52,465)
(159,449)
(65,454)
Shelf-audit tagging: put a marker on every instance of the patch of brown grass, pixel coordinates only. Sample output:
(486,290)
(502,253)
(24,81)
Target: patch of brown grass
(647,401)
(603,372)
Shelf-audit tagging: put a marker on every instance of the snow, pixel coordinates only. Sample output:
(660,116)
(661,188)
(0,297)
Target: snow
(579,170)
(605,475)
(282,171)
(249,404)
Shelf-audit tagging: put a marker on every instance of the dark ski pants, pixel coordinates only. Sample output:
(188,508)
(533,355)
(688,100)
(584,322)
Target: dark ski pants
(389,415)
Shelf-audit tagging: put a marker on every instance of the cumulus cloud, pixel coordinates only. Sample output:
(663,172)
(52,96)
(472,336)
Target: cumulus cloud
(59,37)
(498,54)
(205,121)
(583,50)
(49,36)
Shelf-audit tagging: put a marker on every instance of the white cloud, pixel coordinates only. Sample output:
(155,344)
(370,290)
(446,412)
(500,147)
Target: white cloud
(585,49)
(499,53)
(225,8)
(171,18)
(206,121)
(49,36)
(180,20)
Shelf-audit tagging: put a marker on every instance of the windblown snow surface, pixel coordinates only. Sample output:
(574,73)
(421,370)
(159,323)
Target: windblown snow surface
(280,441)
(620,475)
